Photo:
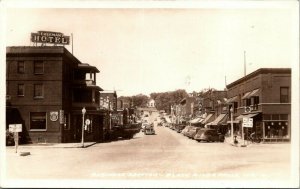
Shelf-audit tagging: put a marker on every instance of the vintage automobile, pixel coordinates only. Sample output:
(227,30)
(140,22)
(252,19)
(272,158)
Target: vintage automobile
(209,135)
(172,126)
(186,129)
(123,131)
(144,125)
(179,127)
(192,131)
(149,131)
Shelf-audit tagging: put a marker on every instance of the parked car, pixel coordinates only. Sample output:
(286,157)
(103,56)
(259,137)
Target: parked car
(186,129)
(209,135)
(144,125)
(179,127)
(123,131)
(192,131)
(149,131)
(172,126)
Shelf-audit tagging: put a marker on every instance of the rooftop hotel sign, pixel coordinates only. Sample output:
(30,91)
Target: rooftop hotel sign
(50,37)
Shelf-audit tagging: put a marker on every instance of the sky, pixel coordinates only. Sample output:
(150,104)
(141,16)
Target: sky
(145,50)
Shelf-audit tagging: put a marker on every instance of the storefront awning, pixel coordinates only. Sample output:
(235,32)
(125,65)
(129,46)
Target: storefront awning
(240,117)
(207,119)
(196,120)
(254,93)
(233,99)
(234,121)
(217,120)
(246,95)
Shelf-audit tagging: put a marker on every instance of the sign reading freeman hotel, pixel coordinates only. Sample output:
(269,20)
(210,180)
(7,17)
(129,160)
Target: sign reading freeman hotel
(50,37)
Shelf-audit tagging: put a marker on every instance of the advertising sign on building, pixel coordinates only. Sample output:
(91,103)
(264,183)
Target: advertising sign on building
(53,116)
(50,37)
(61,117)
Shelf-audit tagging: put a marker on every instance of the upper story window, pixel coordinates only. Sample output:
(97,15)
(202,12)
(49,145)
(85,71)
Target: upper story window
(21,67)
(38,91)
(284,94)
(21,90)
(38,67)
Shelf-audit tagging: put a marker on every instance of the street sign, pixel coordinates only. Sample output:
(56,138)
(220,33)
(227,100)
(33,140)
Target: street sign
(87,122)
(15,127)
(249,124)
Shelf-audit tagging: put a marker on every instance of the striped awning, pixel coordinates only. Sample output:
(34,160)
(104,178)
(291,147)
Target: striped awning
(233,99)
(196,120)
(254,93)
(217,120)
(246,95)
(207,119)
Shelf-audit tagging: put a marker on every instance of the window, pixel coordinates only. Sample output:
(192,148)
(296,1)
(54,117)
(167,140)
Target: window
(21,67)
(284,94)
(20,89)
(235,106)
(38,67)
(256,102)
(38,91)
(38,121)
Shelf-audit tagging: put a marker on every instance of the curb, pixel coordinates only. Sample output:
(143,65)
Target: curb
(60,145)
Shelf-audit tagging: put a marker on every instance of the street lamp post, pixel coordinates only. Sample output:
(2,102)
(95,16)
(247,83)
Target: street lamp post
(82,132)
(231,117)
(110,121)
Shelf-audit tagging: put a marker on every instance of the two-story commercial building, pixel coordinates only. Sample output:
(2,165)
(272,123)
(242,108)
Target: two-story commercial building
(265,96)
(47,88)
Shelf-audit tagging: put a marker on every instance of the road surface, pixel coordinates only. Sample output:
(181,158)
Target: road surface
(166,155)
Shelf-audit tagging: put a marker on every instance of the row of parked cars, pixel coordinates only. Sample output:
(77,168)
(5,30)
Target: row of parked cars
(197,133)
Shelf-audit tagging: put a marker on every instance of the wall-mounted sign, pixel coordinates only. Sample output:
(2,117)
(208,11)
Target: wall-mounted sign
(53,116)
(50,37)
(61,117)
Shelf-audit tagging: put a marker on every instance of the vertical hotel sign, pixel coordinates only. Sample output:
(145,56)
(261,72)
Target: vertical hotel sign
(50,37)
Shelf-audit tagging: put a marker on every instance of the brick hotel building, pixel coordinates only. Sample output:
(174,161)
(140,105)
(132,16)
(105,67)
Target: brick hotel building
(46,90)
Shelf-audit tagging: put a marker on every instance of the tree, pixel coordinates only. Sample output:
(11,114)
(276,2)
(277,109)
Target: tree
(139,100)
(164,100)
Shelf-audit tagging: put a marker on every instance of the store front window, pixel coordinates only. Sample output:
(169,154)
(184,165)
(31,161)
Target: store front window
(276,126)
(276,129)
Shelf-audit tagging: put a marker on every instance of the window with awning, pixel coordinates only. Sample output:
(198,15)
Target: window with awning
(246,95)
(231,100)
(254,93)
(196,120)
(207,119)
(217,120)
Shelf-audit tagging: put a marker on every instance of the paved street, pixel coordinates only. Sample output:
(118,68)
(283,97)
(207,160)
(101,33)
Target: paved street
(166,155)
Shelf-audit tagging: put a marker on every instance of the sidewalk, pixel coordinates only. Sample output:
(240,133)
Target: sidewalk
(57,145)
(240,142)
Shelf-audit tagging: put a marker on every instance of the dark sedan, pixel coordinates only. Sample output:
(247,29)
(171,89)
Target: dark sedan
(192,132)
(179,127)
(209,135)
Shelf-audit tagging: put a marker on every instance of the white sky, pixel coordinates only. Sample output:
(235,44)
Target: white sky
(156,50)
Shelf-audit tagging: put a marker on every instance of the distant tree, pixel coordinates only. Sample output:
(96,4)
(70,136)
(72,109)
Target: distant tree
(164,100)
(139,100)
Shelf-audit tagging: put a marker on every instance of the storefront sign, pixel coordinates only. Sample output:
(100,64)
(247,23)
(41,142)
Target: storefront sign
(53,116)
(15,127)
(61,117)
(50,37)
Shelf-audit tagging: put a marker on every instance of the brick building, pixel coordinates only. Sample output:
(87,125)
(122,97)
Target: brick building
(265,96)
(47,88)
